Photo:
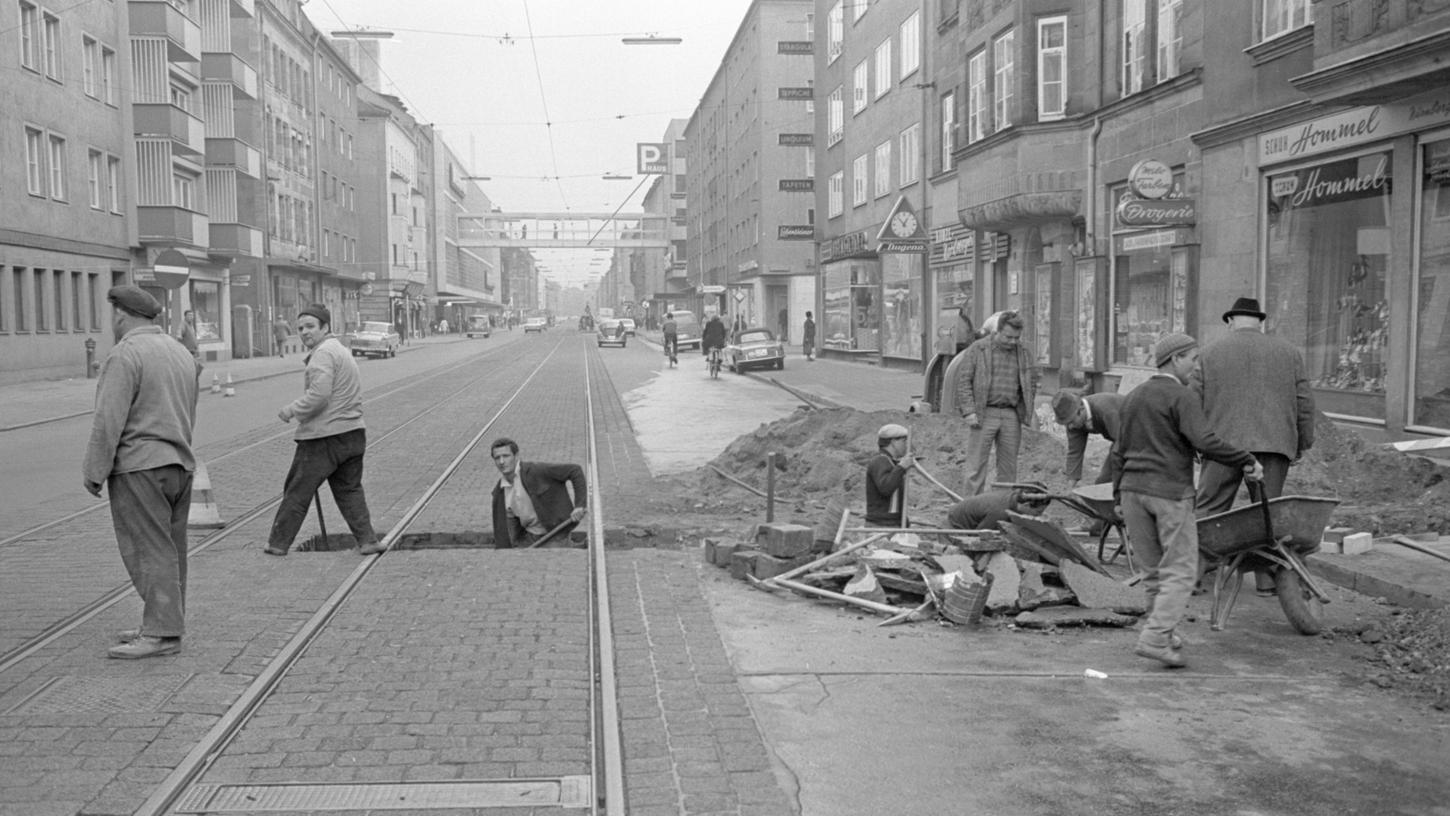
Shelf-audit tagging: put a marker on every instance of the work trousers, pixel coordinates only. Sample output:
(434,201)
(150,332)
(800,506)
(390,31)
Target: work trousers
(337,460)
(149,509)
(1000,429)
(1218,484)
(1165,542)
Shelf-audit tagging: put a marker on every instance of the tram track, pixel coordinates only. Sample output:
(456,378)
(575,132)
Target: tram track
(605,789)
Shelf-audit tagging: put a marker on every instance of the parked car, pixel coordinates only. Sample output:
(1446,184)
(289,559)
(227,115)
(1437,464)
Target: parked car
(535,324)
(755,348)
(612,333)
(628,326)
(479,326)
(374,339)
(687,329)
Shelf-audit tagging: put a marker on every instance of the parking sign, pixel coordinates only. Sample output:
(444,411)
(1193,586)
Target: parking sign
(651,158)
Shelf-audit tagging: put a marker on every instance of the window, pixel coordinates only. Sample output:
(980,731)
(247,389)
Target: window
(811,103)
(95,178)
(858,180)
(1003,79)
(948,128)
(977,97)
(1135,14)
(108,75)
(1283,16)
(42,317)
(858,9)
(113,183)
(17,280)
(51,25)
(90,65)
(58,298)
(883,169)
(183,191)
(859,80)
(836,117)
(833,194)
(93,289)
(911,44)
(35,161)
(57,168)
(835,32)
(181,97)
(1051,68)
(883,67)
(77,301)
(1170,37)
(29,36)
(810,162)
(910,154)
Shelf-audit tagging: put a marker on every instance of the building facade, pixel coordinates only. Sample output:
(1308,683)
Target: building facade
(468,280)
(749,155)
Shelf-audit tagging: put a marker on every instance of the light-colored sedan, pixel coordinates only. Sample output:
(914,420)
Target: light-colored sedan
(535,324)
(612,332)
(374,339)
(755,348)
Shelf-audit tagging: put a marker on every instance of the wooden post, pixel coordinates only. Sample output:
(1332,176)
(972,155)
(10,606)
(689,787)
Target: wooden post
(886,609)
(770,487)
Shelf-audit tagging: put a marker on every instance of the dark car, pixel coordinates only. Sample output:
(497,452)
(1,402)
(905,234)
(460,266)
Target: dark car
(755,348)
(687,329)
(479,326)
(611,333)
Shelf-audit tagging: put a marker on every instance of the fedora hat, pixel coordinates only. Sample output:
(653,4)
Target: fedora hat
(1245,306)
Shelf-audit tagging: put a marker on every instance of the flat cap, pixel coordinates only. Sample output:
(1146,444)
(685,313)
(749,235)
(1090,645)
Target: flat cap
(892,431)
(1065,404)
(135,300)
(1171,344)
(317,310)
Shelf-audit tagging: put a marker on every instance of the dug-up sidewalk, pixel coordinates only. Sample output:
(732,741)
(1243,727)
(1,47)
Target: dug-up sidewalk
(23,404)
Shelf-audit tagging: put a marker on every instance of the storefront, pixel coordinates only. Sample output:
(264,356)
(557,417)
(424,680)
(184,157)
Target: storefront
(1154,260)
(953,273)
(1355,257)
(851,296)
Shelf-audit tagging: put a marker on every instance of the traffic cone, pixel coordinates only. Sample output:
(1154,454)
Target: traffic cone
(216,384)
(230,391)
(203,513)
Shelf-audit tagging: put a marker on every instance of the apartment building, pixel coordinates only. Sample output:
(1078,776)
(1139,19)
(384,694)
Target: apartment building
(749,152)
(393,206)
(466,280)
(662,279)
(66,203)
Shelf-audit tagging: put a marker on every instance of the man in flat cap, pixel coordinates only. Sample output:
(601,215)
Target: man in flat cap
(140,449)
(1253,389)
(1162,427)
(886,478)
(331,438)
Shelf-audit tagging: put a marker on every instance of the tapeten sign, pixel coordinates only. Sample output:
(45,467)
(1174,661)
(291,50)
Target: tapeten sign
(1354,127)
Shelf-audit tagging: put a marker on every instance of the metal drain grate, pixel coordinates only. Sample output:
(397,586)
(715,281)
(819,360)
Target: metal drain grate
(101,695)
(567,791)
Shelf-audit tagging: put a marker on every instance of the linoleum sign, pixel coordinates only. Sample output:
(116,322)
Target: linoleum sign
(1354,127)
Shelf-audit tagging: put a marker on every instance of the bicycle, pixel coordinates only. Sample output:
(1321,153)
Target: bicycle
(670,348)
(713,363)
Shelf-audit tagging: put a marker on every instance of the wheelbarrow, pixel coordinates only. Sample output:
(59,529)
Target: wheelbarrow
(1281,531)
(1096,502)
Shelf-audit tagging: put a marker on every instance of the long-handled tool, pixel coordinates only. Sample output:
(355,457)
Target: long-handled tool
(321,522)
(943,488)
(566,524)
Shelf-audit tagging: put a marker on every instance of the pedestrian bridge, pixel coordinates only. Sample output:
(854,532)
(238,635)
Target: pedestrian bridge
(581,230)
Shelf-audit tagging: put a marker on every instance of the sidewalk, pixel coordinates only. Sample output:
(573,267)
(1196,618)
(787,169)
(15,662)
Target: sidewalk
(24,404)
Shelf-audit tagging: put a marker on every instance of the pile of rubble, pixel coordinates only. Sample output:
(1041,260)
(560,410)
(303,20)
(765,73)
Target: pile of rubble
(1029,572)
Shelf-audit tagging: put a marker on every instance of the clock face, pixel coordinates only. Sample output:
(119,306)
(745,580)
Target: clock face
(903,224)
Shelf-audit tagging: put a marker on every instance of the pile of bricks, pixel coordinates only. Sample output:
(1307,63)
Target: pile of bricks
(772,549)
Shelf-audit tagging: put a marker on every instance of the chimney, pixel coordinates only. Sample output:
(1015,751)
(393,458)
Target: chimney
(363,49)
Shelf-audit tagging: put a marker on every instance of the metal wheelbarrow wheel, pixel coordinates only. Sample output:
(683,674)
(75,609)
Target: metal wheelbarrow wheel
(1303,609)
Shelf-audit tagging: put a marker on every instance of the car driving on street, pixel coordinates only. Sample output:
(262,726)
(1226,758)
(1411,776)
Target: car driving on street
(479,326)
(687,329)
(373,339)
(628,326)
(612,333)
(755,348)
(535,324)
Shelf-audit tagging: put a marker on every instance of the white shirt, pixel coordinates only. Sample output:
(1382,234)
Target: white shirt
(519,505)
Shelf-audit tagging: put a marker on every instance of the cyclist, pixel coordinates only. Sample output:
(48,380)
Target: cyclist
(713,337)
(672,336)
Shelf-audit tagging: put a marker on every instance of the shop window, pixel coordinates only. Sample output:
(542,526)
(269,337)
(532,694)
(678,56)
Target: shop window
(1328,249)
(852,316)
(1154,280)
(206,302)
(901,306)
(1432,323)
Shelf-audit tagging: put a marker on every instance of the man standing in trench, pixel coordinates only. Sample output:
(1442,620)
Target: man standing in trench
(531,499)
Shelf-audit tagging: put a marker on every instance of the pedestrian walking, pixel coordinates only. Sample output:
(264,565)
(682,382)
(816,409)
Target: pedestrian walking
(1253,389)
(188,331)
(963,332)
(531,499)
(886,477)
(331,438)
(281,330)
(784,323)
(1162,428)
(996,393)
(808,337)
(140,449)
(443,326)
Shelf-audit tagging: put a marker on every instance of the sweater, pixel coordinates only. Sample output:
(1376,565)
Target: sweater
(332,401)
(1161,427)
(884,479)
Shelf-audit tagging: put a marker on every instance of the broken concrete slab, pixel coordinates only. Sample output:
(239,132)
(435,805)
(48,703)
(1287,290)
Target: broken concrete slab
(1006,582)
(1051,616)
(1096,591)
(865,586)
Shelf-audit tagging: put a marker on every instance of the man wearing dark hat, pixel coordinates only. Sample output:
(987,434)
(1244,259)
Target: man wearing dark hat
(1256,396)
(140,449)
(331,439)
(1162,427)
(1082,416)
(886,478)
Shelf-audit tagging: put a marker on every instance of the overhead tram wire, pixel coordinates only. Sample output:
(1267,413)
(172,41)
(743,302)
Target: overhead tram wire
(544,101)
(612,215)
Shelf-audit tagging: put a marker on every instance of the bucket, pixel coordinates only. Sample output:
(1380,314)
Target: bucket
(965,601)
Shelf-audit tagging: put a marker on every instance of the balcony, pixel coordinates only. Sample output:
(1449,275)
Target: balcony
(157,18)
(186,132)
(230,68)
(234,153)
(242,8)
(236,239)
(1371,51)
(1034,175)
(172,225)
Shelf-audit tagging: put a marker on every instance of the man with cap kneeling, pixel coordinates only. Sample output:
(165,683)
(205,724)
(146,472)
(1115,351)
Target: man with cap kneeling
(886,478)
(1253,389)
(331,438)
(140,449)
(1162,426)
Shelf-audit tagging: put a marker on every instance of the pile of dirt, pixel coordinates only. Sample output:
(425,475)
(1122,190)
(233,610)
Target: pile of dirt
(1412,653)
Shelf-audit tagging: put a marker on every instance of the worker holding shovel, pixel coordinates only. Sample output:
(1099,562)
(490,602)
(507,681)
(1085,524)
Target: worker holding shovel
(886,478)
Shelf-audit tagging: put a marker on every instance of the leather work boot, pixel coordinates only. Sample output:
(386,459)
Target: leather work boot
(1167,655)
(127,635)
(144,646)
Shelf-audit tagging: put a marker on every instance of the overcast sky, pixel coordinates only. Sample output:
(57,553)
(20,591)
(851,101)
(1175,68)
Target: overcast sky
(541,95)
